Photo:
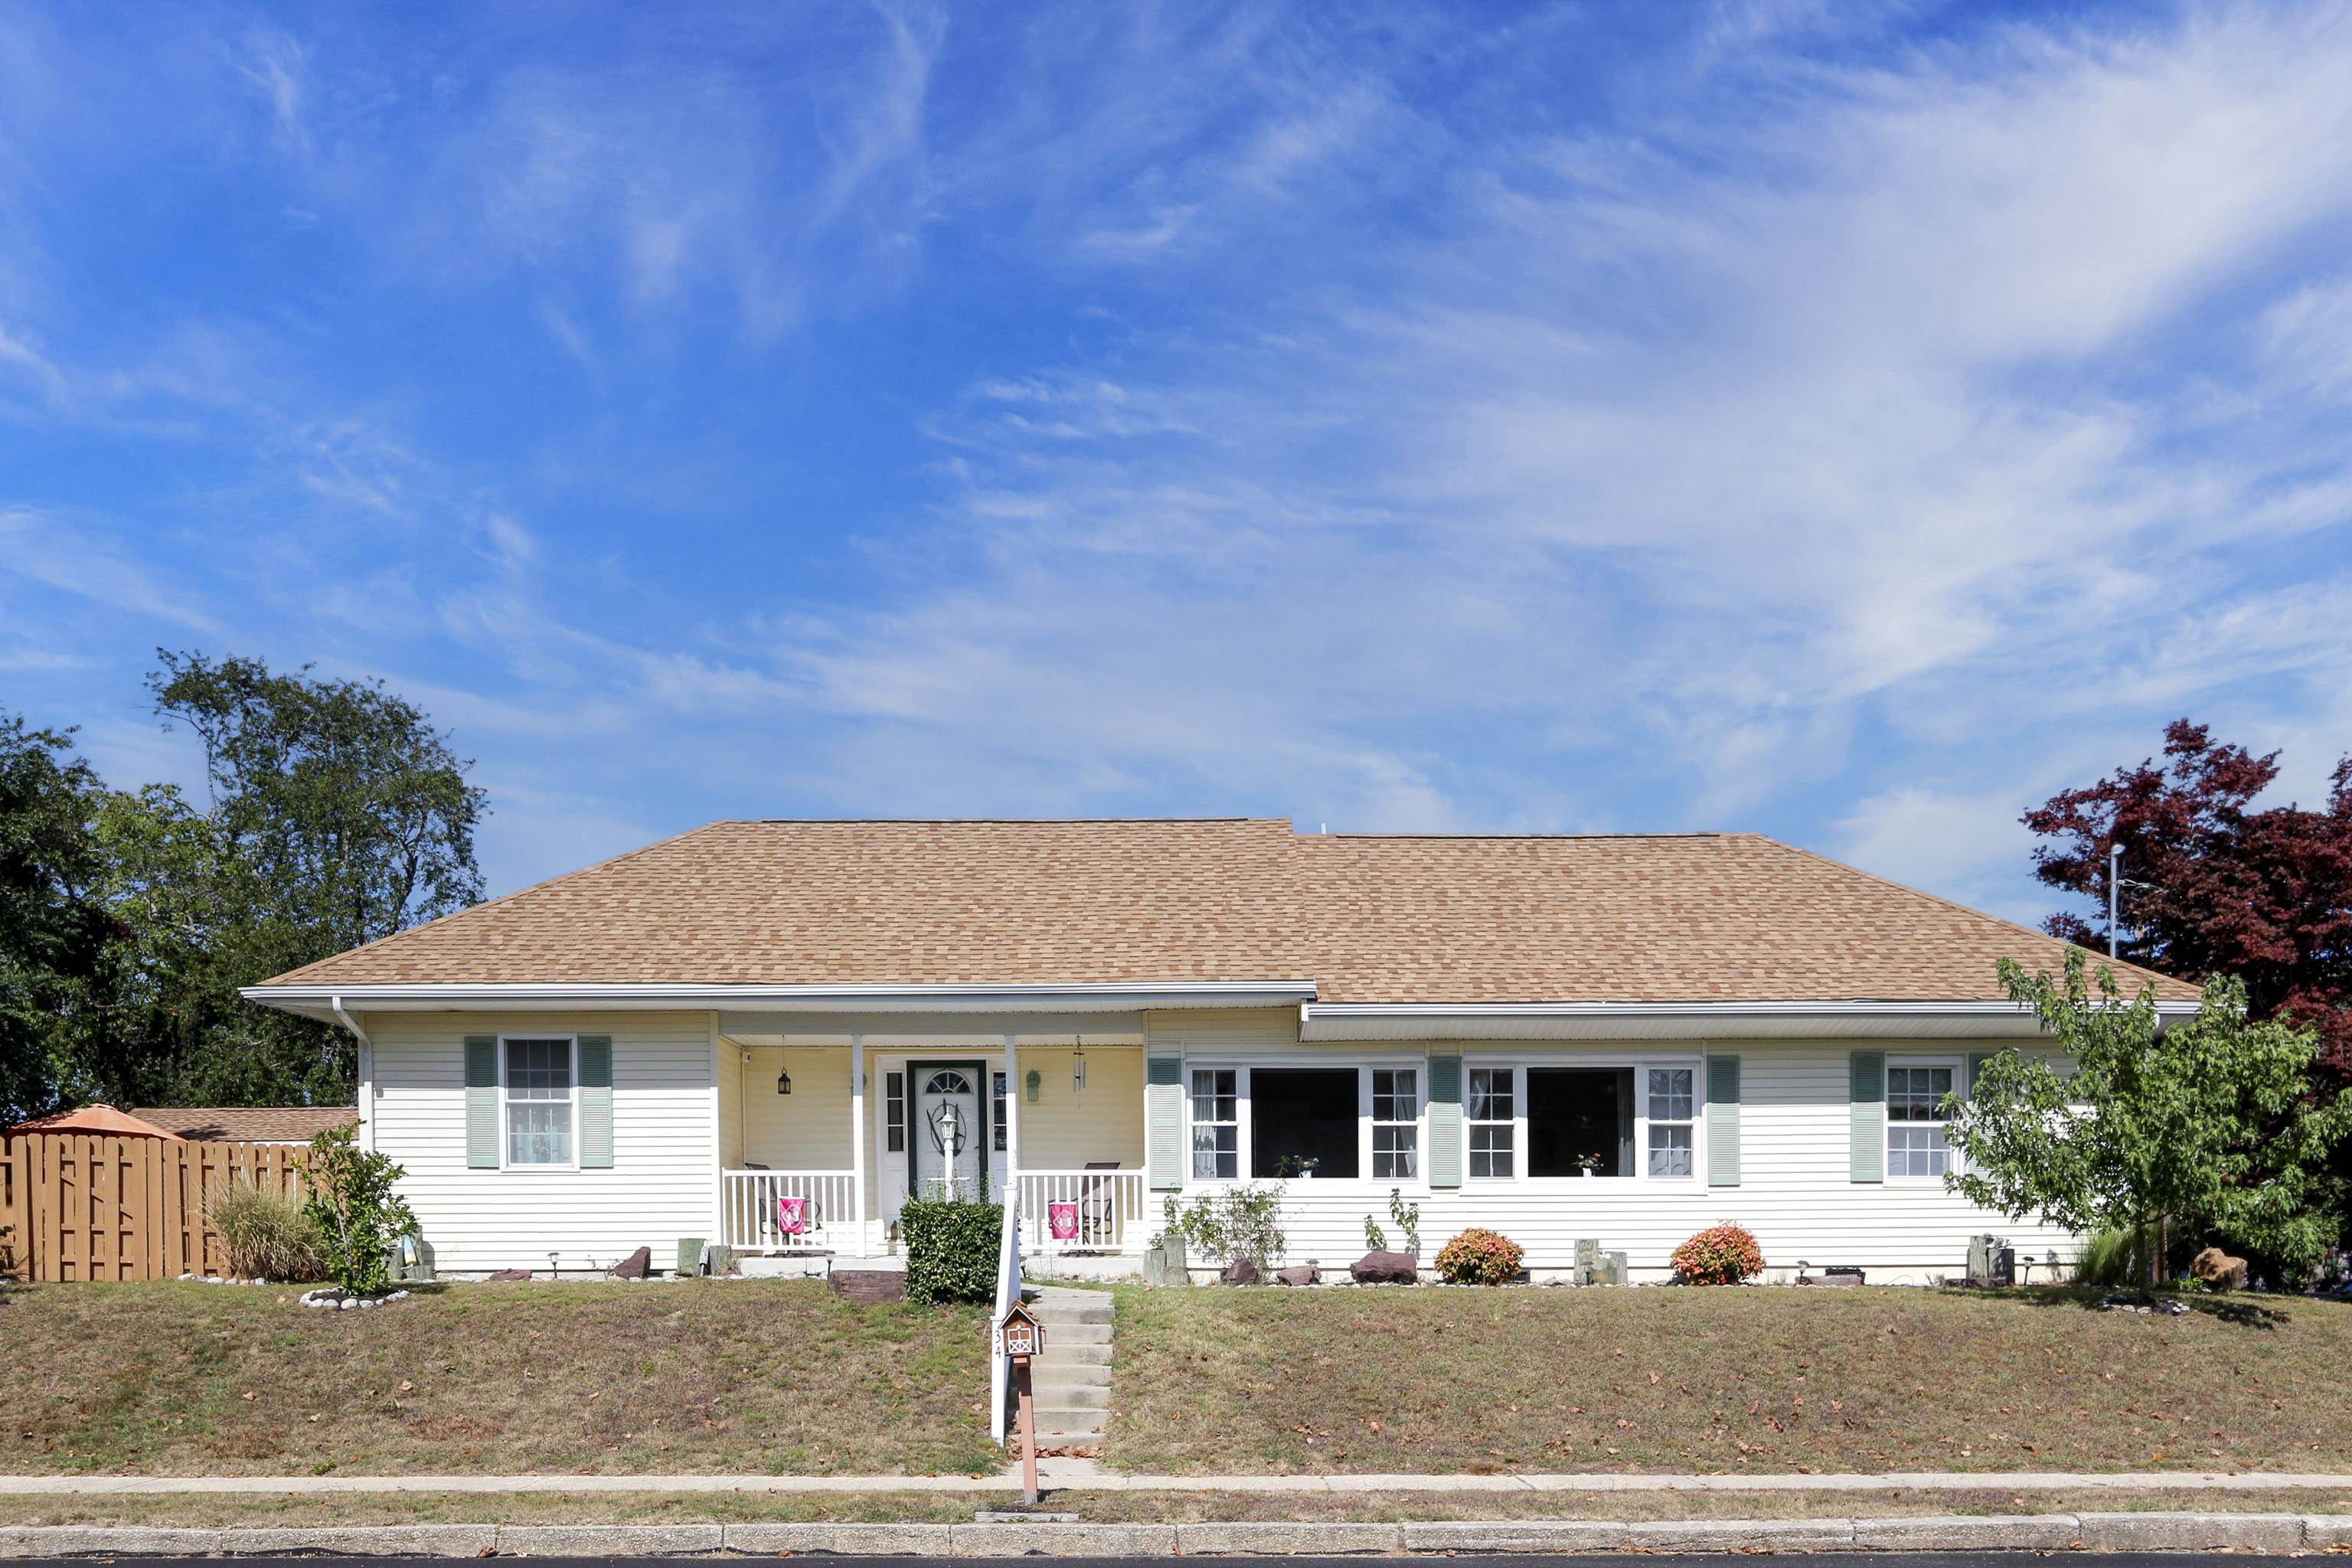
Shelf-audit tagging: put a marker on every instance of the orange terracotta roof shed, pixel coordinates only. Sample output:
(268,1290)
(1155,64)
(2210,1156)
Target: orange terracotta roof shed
(95,1120)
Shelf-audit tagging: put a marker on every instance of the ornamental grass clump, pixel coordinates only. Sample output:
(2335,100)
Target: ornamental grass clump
(1479,1257)
(264,1233)
(1719,1255)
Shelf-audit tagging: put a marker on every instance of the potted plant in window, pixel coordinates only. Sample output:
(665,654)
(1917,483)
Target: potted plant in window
(1589,1163)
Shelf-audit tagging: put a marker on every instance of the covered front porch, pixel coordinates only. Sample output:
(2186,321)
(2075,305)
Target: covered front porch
(825,1132)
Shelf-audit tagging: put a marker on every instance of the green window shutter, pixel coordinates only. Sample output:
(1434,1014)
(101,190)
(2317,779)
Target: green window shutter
(1163,1110)
(1445,1165)
(596,1103)
(1977,1060)
(1868,1077)
(482,1103)
(1723,1121)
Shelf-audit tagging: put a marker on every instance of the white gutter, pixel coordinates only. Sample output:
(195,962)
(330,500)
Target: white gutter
(1676,1020)
(363,1099)
(320,1002)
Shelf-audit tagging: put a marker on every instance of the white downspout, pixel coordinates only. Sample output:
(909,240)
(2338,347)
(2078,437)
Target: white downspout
(365,1098)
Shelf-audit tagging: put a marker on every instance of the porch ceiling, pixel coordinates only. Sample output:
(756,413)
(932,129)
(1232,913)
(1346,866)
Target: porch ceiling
(925,1033)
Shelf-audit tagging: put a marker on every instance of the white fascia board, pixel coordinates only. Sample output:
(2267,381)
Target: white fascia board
(320,1001)
(1676,1020)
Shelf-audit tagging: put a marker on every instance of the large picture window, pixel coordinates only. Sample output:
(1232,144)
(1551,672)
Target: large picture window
(1217,1124)
(539,1080)
(1488,1113)
(1580,1120)
(1396,1123)
(1303,1124)
(1916,1143)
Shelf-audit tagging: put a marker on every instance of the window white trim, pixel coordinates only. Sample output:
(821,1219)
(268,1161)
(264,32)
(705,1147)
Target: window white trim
(1648,1102)
(506,1136)
(1959,1067)
(1638,1064)
(1362,1066)
(1368,1091)
(1514,1124)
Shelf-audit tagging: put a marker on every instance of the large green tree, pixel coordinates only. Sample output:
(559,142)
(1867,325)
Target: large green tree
(336,814)
(2210,1125)
(54,930)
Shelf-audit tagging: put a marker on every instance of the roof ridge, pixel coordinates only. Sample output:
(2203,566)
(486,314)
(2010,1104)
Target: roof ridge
(982,821)
(1456,837)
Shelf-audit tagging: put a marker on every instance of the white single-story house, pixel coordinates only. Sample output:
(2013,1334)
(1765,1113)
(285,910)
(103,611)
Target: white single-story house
(769,1033)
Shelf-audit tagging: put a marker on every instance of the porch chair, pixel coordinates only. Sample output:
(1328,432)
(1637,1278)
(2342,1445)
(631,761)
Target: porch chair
(1098,1208)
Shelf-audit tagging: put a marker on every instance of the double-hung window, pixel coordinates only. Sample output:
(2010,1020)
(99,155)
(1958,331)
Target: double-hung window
(1671,1139)
(539,1101)
(1217,1124)
(1396,1123)
(1915,1144)
(1488,1113)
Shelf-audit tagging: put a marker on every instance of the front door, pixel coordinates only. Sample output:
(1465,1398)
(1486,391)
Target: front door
(947,1133)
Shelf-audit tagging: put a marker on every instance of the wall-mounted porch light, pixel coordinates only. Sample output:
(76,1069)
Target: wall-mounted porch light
(784,1083)
(1031,1083)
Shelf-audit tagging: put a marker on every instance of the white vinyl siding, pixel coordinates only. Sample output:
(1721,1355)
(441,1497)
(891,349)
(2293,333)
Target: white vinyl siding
(665,1156)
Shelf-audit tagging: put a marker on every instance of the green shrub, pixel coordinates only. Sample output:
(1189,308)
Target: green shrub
(1239,1223)
(1719,1255)
(347,1194)
(951,1249)
(2117,1256)
(264,1233)
(1479,1257)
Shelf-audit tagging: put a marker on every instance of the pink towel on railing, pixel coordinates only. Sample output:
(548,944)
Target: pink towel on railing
(792,1216)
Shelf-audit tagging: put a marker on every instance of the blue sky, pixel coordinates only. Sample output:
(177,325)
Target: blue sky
(1847,421)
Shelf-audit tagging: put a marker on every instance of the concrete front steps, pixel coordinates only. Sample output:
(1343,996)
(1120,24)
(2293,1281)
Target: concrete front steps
(1071,1382)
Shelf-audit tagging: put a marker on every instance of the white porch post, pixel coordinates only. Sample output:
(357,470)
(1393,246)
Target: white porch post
(1013,1116)
(857,1138)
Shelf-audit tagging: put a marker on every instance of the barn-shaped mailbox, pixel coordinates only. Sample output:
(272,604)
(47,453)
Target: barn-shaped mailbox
(1020,1333)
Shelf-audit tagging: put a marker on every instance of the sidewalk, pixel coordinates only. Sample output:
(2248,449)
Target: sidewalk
(1905,1480)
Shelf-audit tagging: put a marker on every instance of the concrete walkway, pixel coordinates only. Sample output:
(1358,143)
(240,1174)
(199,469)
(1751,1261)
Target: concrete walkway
(1909,1480)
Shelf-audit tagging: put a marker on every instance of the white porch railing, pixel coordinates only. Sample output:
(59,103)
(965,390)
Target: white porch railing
(1008,1290)
(1102,1210)
(752,1222)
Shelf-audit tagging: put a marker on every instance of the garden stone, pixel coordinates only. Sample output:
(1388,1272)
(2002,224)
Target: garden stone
(1240,1271)
(1384,1269)
(2216,1267)
(511,1273)
(635,1265)
(1300,1274)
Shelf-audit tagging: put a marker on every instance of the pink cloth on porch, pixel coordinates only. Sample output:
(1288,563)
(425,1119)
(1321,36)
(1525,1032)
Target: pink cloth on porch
(1063,1219)
(792,1216)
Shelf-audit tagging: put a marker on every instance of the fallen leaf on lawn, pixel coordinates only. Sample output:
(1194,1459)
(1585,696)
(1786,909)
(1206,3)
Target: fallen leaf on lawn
(247,1394)
(405,1387)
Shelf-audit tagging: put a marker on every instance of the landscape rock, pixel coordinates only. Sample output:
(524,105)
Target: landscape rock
(1240,1271)
(2216,1267)
(1299,1274)
(513,1274)
(1384,1269)
(635,1265)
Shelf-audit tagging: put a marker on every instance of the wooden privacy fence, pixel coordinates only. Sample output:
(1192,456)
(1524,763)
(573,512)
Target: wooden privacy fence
(79,1207)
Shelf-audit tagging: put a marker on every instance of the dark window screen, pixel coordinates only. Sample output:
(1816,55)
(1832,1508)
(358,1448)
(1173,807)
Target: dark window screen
(1303,1122)
(1573,1112)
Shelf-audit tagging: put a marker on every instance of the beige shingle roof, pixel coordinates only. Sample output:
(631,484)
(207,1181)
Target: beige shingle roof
(1698,916)
(248,1123)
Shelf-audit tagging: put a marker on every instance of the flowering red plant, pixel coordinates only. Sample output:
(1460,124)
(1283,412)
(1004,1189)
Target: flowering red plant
(1719,1255)
(1479,1257)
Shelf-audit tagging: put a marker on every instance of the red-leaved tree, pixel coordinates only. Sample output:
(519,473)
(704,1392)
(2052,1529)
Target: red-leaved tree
(2211,886)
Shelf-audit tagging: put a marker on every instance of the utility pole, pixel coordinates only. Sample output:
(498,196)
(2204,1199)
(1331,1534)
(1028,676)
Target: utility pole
(2115,886)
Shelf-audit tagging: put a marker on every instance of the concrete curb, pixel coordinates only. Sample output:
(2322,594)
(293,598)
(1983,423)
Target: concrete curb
(2153,1531)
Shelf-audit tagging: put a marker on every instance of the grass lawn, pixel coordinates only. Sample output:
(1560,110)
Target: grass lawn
(1115,1508)
(775,1376)
(1426,1379)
